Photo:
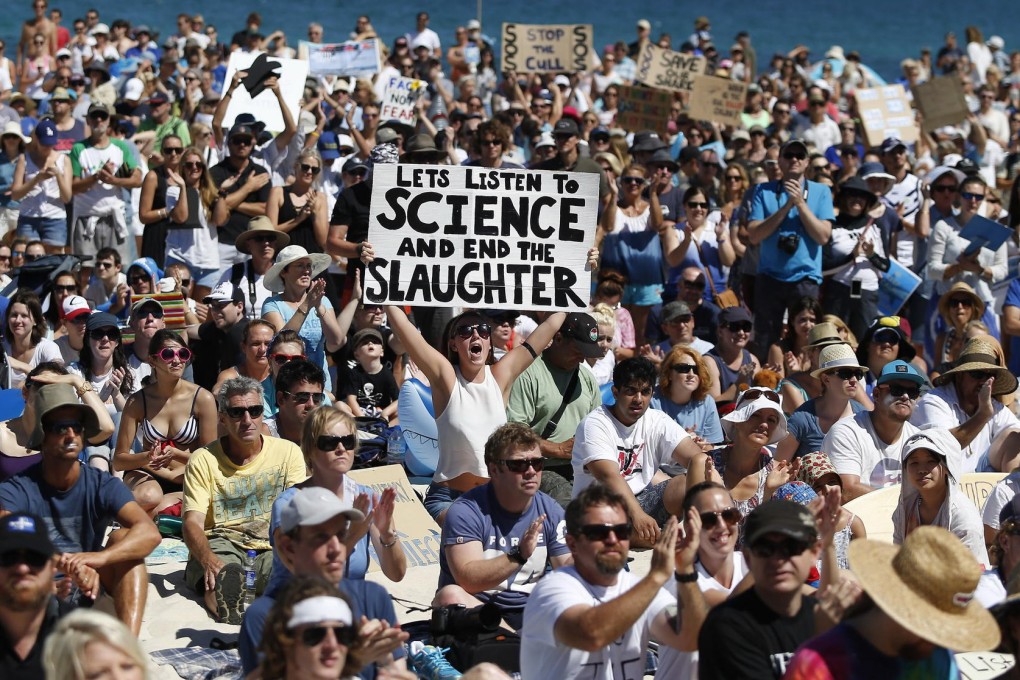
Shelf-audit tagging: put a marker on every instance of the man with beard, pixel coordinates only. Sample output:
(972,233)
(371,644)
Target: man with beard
(593,619)
(28,608)
(865,449)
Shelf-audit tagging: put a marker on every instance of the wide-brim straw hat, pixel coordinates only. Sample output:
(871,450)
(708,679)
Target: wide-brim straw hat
(927,586)
(961,289)
(273,281)
(257,225)
(836,356)
(58,395)
(980,355)
(824,334)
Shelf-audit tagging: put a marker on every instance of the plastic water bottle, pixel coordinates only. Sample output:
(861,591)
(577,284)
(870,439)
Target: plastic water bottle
(395,447)
(249,578)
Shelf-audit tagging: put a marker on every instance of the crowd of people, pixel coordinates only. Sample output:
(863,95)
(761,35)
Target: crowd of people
(183,318)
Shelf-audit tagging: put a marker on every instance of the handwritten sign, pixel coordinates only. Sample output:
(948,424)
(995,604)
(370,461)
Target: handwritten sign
(358,58)
(546,48)
(399,98)
(642,108)
(476,237)
(666,69)
(266,107)
(885,112)
(941,102)
(984,665)
(720,100)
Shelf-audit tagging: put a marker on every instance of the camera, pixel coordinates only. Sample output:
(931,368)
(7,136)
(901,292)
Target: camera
(459,621)
(788,243)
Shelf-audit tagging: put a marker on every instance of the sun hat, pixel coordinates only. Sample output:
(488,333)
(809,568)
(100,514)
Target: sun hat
(750,402)
(901,370)
(23,531)
(963,289)
(421,148)
(315,505)
(647,140)
(612,159)
(814,466)
(58,395)
(979,355)
(856,185)
(894,323)
(824,334)
(272,280)
(13,128)
(780,517)
(386,135)
(927,586)
(796,491)
(257,225)
(874,169)
(836,356)
(941,170)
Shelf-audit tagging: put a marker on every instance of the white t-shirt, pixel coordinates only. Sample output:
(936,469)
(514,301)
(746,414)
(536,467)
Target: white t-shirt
(639,450)
(855,448)
(100,383)
(196,246)
(428,37)
(46,350)
(1002,493)
(542,656)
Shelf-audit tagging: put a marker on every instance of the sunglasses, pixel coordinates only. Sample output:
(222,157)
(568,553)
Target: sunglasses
(711,518)
(329,442)
(99,115)
(156,312)
(965,302)
(30,557)
(971,196)
(757,393)
(944,188)
(64,427)
(521,465)
(104,265)
(484,330)
(733,178)
(282,359)
(138,278)
(698,284)
(242,141)
(782,549)
(314,169)
(899,390)
(193,165)
(600,532)
(173,150)
(980,376)
(185,283)
(345,635)
(632,180)
(739,326)
(698,204)
(847,373)
(167,354)
(32,257)
(491,142)
(237,412)
(70,288)
(263,238)
(104,333)
(305,397)
(684,369)
(794,156)
(886,336)
(5,258)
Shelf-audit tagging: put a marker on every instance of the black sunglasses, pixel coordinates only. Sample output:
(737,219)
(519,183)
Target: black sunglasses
(757,393)
(794,156)
(847,373)
(484,330)
(138,278)
(63,427)
(304,397)
(738,326)
(980,376)
(521,465)
(600,532)
(632,180)
(101,333)
(345,635)
(782,549)
(329,442)
(731,516)
(698,204)
(966,302)
(70,288)
(899,390)
(314,169)
(684,368)
(193,165)
(174,150)
(237,412)
(263,238)
(30,557)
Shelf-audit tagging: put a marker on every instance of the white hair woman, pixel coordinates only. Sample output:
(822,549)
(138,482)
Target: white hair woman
(89,644)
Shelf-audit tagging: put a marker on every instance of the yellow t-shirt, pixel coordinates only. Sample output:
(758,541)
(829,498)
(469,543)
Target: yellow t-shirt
(238,500)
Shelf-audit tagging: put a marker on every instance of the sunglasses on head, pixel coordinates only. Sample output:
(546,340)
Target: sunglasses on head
(600,532)
(483,330)
(520,465)
(312,637)
(314,169)
(305,397)
(758,393)
(64,427)
(684,369)
(900,390)
(30,557)
(731,516)
(104,333)
(168,354)
(783,549)
(847,373)
(329,442)
(739,326)
(237,412)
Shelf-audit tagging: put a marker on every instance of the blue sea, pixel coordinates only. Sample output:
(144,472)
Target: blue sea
(883,31)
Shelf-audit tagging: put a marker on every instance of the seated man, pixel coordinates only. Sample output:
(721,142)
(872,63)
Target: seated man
(229,489)
(78,504)
(299,391)
(678,325)
(500,538)
(624,445)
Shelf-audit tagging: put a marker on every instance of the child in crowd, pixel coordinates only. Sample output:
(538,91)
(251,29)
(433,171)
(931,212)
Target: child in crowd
(107,282)
(367,388)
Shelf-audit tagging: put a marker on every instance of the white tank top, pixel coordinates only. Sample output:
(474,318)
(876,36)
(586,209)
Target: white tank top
(44,198)
(475,410)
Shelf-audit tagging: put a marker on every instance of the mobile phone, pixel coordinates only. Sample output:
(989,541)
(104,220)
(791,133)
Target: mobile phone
(855,290)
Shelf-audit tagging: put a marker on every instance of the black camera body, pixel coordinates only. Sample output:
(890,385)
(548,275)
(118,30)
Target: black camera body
(788,243)
(460,622)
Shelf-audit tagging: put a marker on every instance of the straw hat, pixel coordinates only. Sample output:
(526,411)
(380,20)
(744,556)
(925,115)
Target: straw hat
(980,355)
(823,334)
(272,280)
(836,356)
(961,289)
(58,395)
(257,225)
(747,407)
(927,586)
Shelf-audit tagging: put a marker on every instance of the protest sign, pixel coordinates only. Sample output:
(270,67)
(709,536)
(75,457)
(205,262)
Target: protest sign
(895,286)
(399,98)
(547,48)
(885,112)
(941,102)
(983,665)
(418,533)
(984,233)
(720,100)
(266,107)
(358,58)
(642,108)
(449,236)
(666,69)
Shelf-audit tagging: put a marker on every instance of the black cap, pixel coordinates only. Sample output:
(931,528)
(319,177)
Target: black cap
(582,329)
(22,531)
(369,333)
(647,140)
(780,517)
(353,164)
(242,129)
(99,320)
(733,314)
(566,126)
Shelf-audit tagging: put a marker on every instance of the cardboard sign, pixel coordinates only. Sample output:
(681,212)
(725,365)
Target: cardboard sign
(885,112)
(720,100)
(668,70)
(642,108)
(984,665)
(895,286)
(418,532)
(984,233)
(358,58)
(475,237)
(941,102)
(399,99)
(546,48)
(266,107)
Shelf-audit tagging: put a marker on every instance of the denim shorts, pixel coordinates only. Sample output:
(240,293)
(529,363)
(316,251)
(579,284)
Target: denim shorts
(642,295)
(439,498)
(201,277)
(50,230)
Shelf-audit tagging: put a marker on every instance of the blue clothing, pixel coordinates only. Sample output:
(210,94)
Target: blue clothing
(367,598)
(806,260)
(637,254)
(803,425)
(7,181)
(477,516)
(77,518)
(727,376)
(1013,300)
(310,332)
(701,415)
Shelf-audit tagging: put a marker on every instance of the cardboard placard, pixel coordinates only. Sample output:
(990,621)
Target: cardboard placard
(265,107)
(668,70)
(358,58)
(941,102)
(642,108)
(886,112)
(476,237)
(399,99)
(546,48)
(895,286)
(418,532)
(983,665)
(720,100)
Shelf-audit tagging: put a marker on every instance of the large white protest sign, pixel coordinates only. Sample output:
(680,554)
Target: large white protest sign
(358,58)
(477,237)
(399,98)
(547,48)
(266,107)
(666,69)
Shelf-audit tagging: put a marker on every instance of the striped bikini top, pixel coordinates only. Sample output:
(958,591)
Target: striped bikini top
(184,437)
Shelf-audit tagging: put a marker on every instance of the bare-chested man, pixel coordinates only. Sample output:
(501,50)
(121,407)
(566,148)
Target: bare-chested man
(39,24)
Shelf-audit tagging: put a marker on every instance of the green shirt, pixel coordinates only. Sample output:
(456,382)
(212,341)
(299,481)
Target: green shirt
(172,126)
(537,394)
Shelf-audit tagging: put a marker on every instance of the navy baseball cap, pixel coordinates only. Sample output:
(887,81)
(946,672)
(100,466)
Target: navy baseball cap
(46,132)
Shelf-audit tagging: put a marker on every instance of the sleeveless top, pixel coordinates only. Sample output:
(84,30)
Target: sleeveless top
(304,234)
(185,436)
(841,542)
(154,235)
(43,200)
(727,376)
(746,506)
(475,410)
(12,465)
(67,138)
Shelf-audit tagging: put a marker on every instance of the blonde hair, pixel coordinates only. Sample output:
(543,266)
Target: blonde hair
(318,423)
(840,325)
(604,316)
(64,653)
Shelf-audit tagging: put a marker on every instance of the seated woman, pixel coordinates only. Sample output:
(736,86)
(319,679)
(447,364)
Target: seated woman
(153,462)
(886,340)
(683,394)
(845,334)
(792,353)
(610,288)
(734,364)
(802,386)
(24,339)
(65,284)
(256,338)
(817,471)
(958,306)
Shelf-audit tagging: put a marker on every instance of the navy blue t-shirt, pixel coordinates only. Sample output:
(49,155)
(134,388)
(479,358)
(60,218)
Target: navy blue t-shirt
(803,425)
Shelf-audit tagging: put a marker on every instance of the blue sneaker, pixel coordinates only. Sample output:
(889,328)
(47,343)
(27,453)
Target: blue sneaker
(430,662)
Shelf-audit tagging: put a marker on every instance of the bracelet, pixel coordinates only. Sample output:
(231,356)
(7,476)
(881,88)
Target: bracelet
(391,543)
(86,387)
(313,134)
(686,578)
(527,346)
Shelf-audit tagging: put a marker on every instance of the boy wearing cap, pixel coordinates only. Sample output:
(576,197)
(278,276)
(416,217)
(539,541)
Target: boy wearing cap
(163,123)
(74,313)
(367,387)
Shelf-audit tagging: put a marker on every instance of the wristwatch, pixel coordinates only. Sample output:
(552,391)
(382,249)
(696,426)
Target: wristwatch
(686,578)
(86,387)
(516,556)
